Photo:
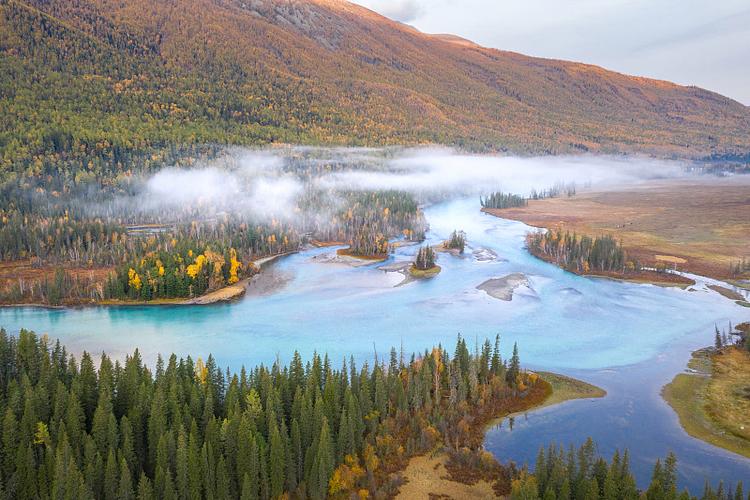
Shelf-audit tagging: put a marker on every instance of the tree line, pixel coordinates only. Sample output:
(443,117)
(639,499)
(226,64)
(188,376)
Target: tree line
(160,246)
(503,200)
(365,220)
(188,429)
(556,191)
(500,200)
(561,474)
(580,254)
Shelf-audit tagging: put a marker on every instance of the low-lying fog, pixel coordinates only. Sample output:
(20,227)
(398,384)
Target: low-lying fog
(266,184)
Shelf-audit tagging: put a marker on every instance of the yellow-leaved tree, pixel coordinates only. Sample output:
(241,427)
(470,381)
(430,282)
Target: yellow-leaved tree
(195,268)
(134,281)
(234,266)
(345,476)
(201,371)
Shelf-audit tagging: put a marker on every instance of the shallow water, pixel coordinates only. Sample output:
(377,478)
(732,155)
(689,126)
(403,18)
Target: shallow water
(630,339)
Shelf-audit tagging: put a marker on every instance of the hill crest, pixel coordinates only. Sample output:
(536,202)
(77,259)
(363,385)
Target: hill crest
(332,72)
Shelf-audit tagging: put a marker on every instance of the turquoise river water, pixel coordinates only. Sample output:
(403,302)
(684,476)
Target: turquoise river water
(629,339)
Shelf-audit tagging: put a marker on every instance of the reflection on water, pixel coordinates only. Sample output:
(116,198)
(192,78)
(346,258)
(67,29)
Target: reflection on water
(630,339)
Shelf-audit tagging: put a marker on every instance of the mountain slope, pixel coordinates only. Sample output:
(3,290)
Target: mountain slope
(135,73)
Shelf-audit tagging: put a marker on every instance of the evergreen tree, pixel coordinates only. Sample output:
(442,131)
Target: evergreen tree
(514,369)
(145,491)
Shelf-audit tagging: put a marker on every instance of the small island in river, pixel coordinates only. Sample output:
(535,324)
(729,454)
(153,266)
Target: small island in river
(424,266)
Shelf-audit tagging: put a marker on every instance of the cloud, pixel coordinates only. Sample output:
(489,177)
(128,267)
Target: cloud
(441,171)
(399,10)
(280,183)
(173,186)
(274,196)
(246,182)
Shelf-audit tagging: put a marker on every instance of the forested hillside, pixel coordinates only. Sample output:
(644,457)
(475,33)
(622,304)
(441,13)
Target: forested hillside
(95,87)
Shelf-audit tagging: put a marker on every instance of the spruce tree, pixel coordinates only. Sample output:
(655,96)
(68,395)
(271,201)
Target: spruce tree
(277,462)
(125,485)
(111,476)
(145,491)
(514,369)
(323,465)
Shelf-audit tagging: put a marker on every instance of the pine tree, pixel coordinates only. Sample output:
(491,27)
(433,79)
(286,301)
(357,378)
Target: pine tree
(222,479)
(182,474)
(248,489)
(145,491)
(111,476)
(323,464)
(277,462)
(514,369)
(125,485)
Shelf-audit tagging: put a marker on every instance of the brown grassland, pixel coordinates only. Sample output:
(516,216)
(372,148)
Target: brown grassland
(12,273)
(696,225)
(713,401)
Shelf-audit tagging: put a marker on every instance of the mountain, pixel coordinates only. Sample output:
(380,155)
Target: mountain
(115,75)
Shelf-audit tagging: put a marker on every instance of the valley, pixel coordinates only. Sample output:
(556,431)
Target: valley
(296,249)
(617,357)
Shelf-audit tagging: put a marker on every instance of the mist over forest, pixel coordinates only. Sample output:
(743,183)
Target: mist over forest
(267,184)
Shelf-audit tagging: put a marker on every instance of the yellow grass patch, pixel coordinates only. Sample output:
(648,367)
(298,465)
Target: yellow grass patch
(729,392)
(427,478)
(713,404)
(670,258)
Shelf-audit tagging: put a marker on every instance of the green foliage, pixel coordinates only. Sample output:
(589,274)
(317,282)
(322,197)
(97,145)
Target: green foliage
(579,254)
(188,429)
(503,200)
(457,241)
(580,474)
(425,258)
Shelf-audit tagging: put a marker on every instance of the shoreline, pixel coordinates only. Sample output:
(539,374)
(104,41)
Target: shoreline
(228,293)
(645,276)
(688,395)
(697,225)
(564,389)
(432,474)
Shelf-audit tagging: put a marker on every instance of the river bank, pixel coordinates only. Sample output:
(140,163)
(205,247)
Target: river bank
(699,225)
(224,294)
(438,475)
(712,399)
(643,276)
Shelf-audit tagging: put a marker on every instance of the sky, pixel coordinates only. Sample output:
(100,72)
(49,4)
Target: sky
(691,42)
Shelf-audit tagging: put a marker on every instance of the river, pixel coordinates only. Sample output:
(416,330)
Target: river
(629,339)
